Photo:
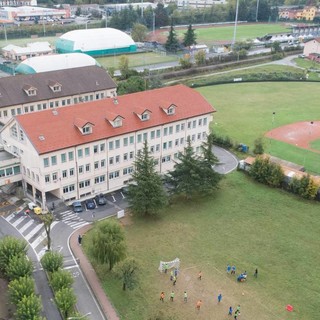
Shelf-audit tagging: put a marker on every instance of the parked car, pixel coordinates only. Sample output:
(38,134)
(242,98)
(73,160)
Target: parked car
(90,204)
(35,208)
(77,207)
(101,199)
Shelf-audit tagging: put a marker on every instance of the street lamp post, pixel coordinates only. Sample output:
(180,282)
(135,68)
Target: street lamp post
(77,318)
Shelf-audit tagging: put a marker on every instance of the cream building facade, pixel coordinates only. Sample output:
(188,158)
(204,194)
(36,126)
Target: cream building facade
(80,151)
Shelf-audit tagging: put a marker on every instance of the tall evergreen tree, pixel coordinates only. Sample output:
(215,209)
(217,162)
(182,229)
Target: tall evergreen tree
(146,194)
(189,37)
(172,44)
(193,175)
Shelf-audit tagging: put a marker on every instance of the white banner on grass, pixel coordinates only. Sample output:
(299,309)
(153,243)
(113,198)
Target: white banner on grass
(170,264)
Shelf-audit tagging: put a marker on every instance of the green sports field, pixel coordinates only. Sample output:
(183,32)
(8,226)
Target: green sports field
(210,35)
(245,112)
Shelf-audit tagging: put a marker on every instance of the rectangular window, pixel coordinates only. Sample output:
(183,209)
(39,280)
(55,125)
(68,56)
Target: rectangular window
(164,146)
(113,175)
(125,157)
(193,138)
(71,172)
(125,142)
(47,178)
(55,176)
(171,130)
(166,159)
(127,170)
(80,153)
(46,162)
(18,110)
(182,126)
(87,151)
(88,167)
(51,104)
(68,101)
(111,160)
(139,137)
(70,155)
(189,124)
(117,159)
(95,149)
(204,121)
(99,179)
(200,122)
(80,169)
(54,160)
(75,100)
(165,131)
(152,134)
(117,143)
(194,124)
(103,163)
(102,147)
(177,128)
(145,136)
(152,149)
(64,173)
(26,109)
(96,165)
(131,155)
(181,141)
(158,133)
(157,147)
(110,145)
(176,143)
(170,144)
(131,139)
(13,112)
(68,189)
(56,103)
(63,157)
(204,135)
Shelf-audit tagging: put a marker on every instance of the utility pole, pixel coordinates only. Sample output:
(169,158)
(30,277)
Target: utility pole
(257,10)
(235,25)
(153,22)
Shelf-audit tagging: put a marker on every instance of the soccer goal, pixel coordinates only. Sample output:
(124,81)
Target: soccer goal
(170,264)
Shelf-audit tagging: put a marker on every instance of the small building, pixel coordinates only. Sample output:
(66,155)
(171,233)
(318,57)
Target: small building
(33,49)
(96,42)
(199,47)
(55,62)
(312,47)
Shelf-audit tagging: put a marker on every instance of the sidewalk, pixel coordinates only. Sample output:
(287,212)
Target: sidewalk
(91,276)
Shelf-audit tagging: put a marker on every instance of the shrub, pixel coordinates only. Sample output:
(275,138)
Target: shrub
(304,187)
(29,308)
(52,261)
(222,141)
(18,266)
(264,171)
(258,146)
(10,247)
(61,279)
(19,288)
(65,300)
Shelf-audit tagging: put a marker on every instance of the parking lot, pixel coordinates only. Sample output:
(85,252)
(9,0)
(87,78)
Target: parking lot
(116,200)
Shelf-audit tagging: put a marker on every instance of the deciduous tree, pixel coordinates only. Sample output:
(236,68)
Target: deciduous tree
(52,261)
(65,300)
(108,243)
(29,308)
(61,279)
(18,266)
(47,220)
(127,271)
(19,288)
(139,32)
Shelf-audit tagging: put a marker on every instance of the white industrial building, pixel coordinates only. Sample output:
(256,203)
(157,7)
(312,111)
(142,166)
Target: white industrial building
(90,148)
(96,42)
(55,62)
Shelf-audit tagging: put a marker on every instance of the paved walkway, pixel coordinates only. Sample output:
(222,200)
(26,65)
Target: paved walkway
(91,275)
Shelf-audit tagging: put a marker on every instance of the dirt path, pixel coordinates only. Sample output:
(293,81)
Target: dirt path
(4,302)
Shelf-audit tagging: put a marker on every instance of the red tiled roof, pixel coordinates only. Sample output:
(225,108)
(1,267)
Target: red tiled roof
(60,132)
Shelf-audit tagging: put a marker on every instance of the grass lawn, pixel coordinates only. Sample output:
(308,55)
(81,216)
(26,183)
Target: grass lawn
(136,60)
(244,31)
(24,41)
(244,223)
(244,112)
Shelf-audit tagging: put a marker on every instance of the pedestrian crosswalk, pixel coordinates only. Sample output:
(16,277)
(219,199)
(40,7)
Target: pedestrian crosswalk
(72,219)
(32,228)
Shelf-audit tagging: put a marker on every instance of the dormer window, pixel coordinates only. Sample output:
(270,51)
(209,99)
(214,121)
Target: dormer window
(84,126)
(114,119)
(170,110)
(145,116)
(87,129)
(117,123)
(55,86)
(30,91)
